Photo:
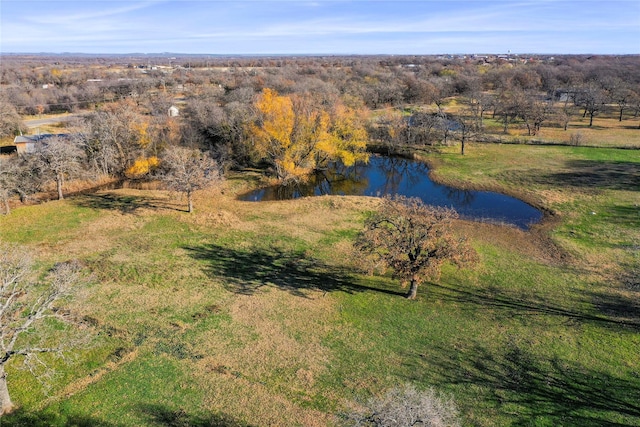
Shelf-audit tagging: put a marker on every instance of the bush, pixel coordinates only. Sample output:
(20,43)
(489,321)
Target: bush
(408,406)
(576,139)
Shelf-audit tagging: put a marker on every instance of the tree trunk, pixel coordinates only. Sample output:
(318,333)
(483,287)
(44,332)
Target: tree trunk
(59,180)
(190,201)
(5,400)
(413,289)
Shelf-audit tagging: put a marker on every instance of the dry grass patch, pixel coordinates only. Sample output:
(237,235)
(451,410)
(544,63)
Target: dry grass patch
(270,354)
(254,402)
(535,244)
(280,331)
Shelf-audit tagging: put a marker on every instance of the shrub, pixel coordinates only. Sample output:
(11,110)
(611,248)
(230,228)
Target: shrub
(408,406)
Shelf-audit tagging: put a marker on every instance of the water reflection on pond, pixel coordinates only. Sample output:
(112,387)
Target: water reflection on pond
(395,175)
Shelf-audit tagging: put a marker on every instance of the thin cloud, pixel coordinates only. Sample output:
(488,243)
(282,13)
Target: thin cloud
(365,26)
(83,18)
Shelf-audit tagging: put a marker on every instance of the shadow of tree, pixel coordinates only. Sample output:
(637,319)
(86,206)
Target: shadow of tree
(518,306)
(615,305)
(593,174)
(539,391)
(23,418)
(164,417)
(246,272)
(126,204)
(626,215)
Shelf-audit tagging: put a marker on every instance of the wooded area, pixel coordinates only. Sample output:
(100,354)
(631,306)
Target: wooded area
(293,115)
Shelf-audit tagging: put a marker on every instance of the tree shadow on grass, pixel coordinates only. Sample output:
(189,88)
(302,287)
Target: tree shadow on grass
(23,418)
(162,416)
(518,307)
(593,175)
(537,390)
(623,308)
(124,203)
(246,272)
(625,215)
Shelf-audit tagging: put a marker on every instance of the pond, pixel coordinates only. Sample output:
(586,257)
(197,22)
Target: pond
(394,175)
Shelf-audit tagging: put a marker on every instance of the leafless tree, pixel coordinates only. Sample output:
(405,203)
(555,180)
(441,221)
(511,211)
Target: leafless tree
(621,94)
(26,307)
(533,112)
(8,180)
(186,170)
(112,138)
(407,406)
(413,240)
(10,121)
(60,159)
(593,99)
(466,129)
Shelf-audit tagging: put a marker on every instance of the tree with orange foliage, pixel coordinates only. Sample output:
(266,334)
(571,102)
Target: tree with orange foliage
(298,137)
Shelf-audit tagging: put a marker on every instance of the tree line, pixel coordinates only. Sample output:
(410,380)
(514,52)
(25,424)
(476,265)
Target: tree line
(291,116)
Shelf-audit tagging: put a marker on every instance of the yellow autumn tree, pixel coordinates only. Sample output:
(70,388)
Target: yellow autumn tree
(142,166)
(142,132)
(298,137)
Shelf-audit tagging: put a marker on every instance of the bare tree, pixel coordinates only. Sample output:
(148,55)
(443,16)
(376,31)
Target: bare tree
(592,98)
(413,240)
(408,406)
(10,121)
(60,159)
(25,307)
(466,130)
(187,170)
(113,137)
(18,175)
(7,181)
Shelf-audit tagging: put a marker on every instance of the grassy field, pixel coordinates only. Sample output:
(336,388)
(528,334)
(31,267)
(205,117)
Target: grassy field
(254,313)
(605,132)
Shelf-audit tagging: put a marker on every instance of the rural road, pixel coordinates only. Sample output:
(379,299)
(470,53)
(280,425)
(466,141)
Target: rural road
(33,123)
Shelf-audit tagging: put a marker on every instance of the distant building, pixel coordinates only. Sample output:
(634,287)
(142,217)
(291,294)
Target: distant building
(26,144)
(173,111)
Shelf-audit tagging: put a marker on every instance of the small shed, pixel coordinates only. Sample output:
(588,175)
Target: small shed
(26,144)
(173,111)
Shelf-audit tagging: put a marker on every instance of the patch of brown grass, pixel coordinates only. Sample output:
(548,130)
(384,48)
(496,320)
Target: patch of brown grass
(535,244)
(265,361)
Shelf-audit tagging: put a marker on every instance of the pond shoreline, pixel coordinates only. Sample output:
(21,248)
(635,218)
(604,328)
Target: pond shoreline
(409,175)
(549,219)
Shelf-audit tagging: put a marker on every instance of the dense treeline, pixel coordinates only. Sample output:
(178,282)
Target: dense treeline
(321,108)
(42,84)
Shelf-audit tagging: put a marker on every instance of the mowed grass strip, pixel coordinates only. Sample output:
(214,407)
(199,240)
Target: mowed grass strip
(255,313)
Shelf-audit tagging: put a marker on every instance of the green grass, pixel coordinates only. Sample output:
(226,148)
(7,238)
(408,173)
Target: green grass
(254,313)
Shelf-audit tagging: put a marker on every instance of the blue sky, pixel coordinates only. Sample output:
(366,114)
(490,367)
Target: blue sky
(321,27)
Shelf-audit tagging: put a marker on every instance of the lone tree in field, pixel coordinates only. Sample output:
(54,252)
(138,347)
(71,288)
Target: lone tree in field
(186,170)
(413,240)
(27,310)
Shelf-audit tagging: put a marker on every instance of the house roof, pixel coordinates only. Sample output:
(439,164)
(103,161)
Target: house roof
(23,139)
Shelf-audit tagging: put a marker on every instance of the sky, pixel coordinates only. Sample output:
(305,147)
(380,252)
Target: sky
(263,27)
